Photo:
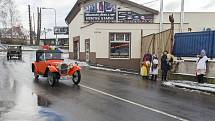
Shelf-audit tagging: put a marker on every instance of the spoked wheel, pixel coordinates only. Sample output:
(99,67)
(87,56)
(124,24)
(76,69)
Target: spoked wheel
(52,78)
(76,78)
(36,76)
(20,57)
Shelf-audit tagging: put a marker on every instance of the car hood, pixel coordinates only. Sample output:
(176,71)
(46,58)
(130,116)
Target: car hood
(54,62)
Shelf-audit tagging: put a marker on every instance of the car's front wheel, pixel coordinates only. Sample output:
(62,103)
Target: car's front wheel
(52,78)
(20,57)
(76,78)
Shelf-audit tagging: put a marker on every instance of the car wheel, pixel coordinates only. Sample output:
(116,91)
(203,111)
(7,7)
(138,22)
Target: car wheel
(76,78)
(51,79)
(36,76)
(20,58)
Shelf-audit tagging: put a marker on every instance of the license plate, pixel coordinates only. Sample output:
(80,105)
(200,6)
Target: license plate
(65,78)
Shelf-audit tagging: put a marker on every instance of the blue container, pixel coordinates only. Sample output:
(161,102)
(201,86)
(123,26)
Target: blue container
(190,44)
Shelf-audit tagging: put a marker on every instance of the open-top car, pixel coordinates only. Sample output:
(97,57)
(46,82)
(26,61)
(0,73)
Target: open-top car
(50,64)
(14,52)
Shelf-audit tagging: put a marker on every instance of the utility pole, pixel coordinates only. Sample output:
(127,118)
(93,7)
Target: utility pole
(33,23)
(182,16)
(38,25)
(34,29)
(161,15)
(45,32)
(30,25)
(171,19)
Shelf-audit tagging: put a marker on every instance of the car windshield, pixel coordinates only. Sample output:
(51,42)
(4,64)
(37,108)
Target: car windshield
(53,56)
(13,47)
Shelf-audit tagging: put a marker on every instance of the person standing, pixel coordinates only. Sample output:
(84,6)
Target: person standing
(201,66)
(164,66)
(145,68)
(154,68)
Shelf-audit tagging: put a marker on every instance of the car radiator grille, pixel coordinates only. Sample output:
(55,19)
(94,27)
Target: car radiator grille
(63,68)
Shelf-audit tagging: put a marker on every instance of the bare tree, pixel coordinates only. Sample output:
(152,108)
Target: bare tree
(8,14)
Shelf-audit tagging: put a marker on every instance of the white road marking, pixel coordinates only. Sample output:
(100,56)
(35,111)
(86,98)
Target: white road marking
(137,104)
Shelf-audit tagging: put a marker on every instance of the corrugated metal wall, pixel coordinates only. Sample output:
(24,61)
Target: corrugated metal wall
(191,44)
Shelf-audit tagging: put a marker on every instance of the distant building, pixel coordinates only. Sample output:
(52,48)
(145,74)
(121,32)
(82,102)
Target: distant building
(108,32)
(52,41)
(14,35)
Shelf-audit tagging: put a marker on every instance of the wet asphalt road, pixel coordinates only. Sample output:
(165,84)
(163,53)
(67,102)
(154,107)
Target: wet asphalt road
(102,96)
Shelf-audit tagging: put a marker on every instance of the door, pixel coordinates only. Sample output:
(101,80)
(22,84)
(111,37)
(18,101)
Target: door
(87,49)
(76,49)
(41,63)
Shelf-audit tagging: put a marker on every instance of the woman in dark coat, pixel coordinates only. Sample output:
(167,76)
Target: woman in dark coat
(164,66)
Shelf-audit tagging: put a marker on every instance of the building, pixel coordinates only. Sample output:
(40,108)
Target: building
(109,32)
(14,35)
(52,41)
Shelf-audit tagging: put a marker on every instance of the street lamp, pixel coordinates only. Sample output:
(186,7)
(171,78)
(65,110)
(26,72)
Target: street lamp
(55,19)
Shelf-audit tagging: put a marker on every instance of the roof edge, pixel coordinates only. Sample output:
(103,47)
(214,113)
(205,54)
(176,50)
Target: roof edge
(77,7)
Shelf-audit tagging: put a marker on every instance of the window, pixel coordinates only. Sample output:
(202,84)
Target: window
(53,56)
(41,56)
(120,45)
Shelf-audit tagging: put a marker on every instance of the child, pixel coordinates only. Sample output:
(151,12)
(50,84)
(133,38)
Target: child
(154,68)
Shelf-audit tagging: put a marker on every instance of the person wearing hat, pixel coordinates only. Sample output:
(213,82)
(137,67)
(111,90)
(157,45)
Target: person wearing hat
(164,65)
(201,66)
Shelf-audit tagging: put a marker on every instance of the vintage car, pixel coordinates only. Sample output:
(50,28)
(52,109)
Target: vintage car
(14,52)
(50,64)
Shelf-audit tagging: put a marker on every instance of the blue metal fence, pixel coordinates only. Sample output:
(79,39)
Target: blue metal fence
(190,44)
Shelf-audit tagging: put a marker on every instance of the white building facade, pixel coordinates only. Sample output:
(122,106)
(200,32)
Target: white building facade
(108,32)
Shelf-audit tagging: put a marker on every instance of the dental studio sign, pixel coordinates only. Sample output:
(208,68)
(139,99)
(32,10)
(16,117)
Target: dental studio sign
(100,12)
(105,12)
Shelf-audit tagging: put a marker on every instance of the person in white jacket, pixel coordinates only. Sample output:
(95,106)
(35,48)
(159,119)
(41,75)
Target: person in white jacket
(201,66)
(154,68)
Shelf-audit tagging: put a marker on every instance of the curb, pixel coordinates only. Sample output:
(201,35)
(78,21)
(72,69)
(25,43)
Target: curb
(112,70)
(198,87)
(195,89)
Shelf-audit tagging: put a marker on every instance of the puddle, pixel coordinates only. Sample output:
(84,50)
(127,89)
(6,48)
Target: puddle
(43,102)
(27,105)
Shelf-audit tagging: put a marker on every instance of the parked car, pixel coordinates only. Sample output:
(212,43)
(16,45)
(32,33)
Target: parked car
(50,64)
(14,52)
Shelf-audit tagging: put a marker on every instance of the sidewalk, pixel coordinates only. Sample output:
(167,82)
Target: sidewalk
(98,67)
(210,88)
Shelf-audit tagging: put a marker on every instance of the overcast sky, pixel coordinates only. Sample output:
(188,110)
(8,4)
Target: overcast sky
(64,6)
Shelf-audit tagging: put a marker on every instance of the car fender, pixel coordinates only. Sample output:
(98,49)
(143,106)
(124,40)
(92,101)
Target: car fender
(52,69)
(74,69)
(34,67)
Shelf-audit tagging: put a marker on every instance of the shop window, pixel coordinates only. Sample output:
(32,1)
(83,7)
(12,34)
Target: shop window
(120,45)
(112,36)
(120,37)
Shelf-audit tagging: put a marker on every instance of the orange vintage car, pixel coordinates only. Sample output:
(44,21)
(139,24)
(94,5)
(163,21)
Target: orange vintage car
(50,64)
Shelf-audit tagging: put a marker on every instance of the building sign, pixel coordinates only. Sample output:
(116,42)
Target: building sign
(133,17)
(100,12)
(105,12)
(61,30)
